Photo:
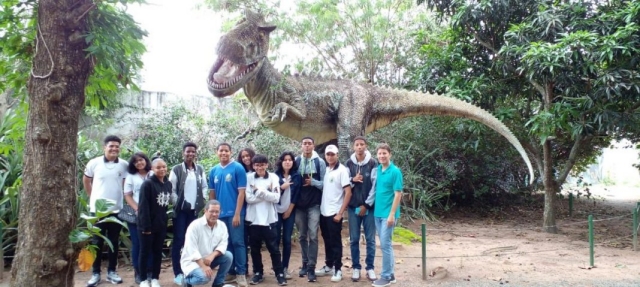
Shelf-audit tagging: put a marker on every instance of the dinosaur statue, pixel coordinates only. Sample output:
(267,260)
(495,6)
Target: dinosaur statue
(298,106)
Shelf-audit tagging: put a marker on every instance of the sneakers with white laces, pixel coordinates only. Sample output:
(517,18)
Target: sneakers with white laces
(371,275)
(155,283)
(355,275)
(325,270)
(113,277)
(337,276)
(95,279)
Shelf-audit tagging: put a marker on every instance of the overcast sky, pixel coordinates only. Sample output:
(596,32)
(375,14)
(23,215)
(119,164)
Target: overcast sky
(180,45)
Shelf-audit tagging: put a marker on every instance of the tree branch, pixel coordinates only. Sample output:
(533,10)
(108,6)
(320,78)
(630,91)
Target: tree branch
(573,156)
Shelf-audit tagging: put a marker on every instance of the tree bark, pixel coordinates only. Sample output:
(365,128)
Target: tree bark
(56,87)
(550,185)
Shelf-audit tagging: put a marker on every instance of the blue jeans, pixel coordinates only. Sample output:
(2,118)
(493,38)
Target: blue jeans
(236,245)
(307,221)
(284,229)
(198,277)
(135,247)
(355,222)
(181,221)
(385,233)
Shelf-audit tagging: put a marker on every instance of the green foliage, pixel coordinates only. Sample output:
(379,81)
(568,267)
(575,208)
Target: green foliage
(235,123)
(404,236)
(115,50)
(565,71)
(360,39)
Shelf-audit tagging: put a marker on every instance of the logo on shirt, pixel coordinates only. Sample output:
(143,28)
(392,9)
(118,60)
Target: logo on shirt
(163,198)
(227,178)
(215,180)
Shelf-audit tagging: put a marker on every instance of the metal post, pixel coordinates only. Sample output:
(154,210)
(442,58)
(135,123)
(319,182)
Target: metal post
(424,251)
(570,204)
(1,251)
(591,255)
(635,227)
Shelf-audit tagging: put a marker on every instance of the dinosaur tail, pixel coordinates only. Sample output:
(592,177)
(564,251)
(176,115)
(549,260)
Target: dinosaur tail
(401,104)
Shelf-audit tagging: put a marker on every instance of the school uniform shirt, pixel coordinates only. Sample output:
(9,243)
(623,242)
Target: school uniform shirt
(335,180)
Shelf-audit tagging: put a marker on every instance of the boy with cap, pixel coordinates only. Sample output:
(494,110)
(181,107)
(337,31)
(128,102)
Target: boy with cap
(336,194)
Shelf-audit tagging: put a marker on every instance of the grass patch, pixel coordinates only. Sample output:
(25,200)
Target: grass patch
(404,236)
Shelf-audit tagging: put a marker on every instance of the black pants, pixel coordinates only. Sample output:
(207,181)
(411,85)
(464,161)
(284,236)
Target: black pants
(151,245)
(268,235)
(111,231)
(331,234)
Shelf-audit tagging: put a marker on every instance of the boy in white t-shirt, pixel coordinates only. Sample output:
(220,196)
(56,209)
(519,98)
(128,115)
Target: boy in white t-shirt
(336,194)
(103,179)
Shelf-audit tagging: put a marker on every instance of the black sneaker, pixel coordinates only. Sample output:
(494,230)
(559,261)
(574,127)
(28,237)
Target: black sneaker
(303,270)
(256,279)
(311,274)
(281,280)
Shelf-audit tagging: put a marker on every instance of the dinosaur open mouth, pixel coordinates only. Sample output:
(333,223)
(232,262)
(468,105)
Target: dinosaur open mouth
(225,74)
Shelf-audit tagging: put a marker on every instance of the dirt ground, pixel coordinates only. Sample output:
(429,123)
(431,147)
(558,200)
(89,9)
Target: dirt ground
(504,246)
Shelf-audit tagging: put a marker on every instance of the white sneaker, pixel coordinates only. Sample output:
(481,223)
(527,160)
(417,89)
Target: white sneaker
(371,275)
(155,283)
(324,271)
(241,280)
(355,275)
(287,274)
(145,283)
(337,276)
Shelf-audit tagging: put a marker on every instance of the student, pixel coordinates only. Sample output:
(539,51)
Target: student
(155,194)
(262,194)
(312,168)
(387,210)
(362,168)
(227,182)
(290,182)
(336,194)
(103,179)
(244,157)
(189,192)
(205,248)
(139,167)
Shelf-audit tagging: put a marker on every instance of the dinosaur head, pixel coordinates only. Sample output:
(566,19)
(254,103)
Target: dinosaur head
(241,53)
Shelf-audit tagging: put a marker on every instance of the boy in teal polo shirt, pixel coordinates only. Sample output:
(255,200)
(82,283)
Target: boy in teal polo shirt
(386,210)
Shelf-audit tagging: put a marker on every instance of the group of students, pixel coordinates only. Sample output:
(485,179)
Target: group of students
(247,206)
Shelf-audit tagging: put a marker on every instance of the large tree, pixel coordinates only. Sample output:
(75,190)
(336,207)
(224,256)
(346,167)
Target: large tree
(565,71)
(77,49)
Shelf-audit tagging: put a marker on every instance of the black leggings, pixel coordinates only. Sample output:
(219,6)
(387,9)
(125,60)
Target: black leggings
(151,244)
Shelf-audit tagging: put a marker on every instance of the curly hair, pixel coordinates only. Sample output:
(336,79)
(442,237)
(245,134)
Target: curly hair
(279,168)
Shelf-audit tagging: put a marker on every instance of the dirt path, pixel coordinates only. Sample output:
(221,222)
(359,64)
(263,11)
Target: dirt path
(506,248)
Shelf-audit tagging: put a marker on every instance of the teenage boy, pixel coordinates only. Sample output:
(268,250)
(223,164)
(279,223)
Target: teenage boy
(312,168)
(336,194)
(189,191)
(103,179)
(262,194)
(227,182)
(205,248)
(387,211)
(362,168)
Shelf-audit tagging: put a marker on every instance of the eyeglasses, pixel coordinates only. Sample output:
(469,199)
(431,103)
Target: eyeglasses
(330,154)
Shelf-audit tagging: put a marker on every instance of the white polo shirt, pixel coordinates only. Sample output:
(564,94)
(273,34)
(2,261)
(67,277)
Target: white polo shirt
(333,189)
(107,179)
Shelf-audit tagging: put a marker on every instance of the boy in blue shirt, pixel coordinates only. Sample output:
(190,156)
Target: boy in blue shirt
(227,183)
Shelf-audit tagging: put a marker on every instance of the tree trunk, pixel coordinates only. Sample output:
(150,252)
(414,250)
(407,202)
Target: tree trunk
(550,190)
(550,185)
(60,71)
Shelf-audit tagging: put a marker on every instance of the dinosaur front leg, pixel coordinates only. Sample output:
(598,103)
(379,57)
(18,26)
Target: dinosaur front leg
(283,110)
